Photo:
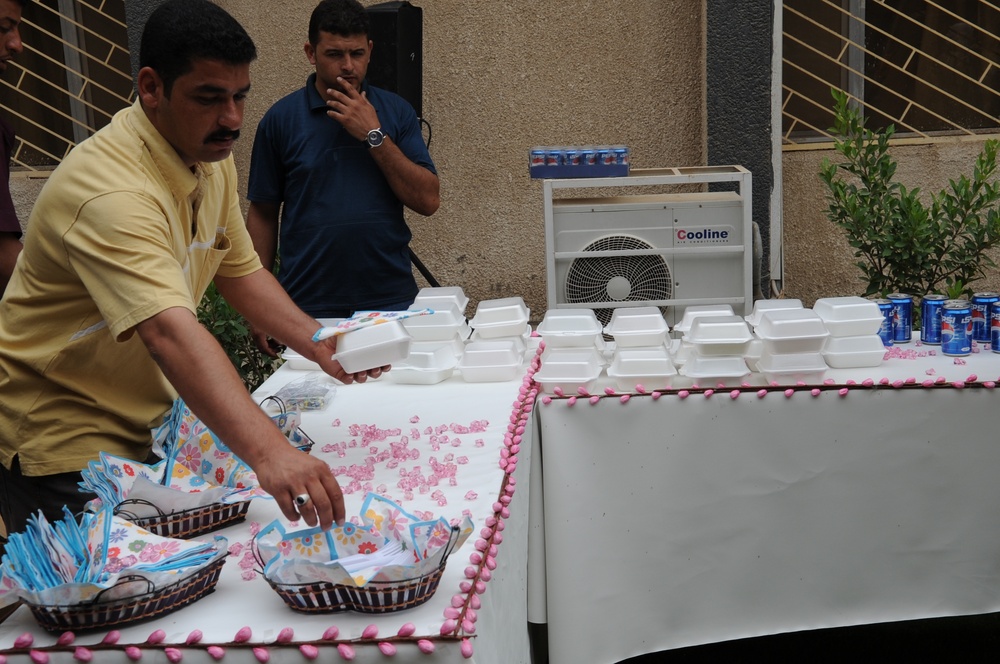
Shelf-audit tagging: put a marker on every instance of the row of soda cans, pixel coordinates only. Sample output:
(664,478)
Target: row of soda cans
(952,324)
(587,155)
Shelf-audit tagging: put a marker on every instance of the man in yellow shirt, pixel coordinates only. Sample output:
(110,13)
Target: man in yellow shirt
(98,326)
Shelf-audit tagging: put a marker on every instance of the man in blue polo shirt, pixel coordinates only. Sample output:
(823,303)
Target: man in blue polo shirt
(339,159)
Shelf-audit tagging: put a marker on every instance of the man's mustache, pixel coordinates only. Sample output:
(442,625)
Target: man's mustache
(223,135)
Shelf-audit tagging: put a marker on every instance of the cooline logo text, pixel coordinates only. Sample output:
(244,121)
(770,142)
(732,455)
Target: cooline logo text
(703,235)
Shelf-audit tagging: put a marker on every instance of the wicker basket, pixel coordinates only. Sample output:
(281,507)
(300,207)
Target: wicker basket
(150,603)
(373,597)
(187,523)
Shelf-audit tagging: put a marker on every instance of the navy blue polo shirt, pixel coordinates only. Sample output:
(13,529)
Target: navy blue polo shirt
(343,242)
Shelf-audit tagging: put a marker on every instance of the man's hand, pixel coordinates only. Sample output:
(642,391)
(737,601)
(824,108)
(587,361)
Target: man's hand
(352,110)
(265,344)
(290,473)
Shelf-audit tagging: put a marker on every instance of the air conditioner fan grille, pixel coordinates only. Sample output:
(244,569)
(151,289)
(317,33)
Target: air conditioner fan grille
(618,278)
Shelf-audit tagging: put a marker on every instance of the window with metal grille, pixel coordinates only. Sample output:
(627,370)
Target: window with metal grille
(930,67)
(74,74)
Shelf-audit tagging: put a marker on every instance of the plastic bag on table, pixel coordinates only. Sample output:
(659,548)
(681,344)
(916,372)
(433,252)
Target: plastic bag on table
(307,393)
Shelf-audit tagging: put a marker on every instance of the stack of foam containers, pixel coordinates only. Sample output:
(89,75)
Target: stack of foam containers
(759,307)
(573,358)
(448,323)
(640,356)
(853,323)
(500,334)
(438,337)
(719,346)
(680,348)
(792,341)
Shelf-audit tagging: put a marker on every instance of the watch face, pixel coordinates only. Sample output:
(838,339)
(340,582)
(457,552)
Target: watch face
(375,137)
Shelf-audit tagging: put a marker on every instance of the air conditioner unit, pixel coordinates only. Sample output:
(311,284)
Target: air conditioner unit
(667,250)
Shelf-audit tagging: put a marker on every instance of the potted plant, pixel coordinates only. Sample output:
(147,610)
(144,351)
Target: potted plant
(905,242)
(233,333)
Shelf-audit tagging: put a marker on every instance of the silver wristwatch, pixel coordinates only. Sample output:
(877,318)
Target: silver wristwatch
(375,138)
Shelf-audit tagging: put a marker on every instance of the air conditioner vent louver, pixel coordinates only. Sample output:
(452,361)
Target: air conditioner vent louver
(618,278)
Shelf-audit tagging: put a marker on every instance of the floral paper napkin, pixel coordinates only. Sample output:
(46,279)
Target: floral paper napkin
(197,468)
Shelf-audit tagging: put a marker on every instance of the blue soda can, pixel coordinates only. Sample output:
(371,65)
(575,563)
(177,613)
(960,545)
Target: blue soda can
(981,303)
(956,328)
(930,318)
(571,157)
(885,331)
(605,156)
(553,157)
(621,156)
(538,157)
(902,317)
(588,157)
(995,327)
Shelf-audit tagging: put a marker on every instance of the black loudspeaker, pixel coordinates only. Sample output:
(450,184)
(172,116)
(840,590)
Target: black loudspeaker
(397,34)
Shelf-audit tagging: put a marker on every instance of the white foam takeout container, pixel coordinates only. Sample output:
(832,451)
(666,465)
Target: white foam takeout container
(298,362)
(650,367)
(569,369)
(562,328)
(696,311)
(444,324)
(754,351)
(504,317)
(490,361)
(760,306)
(714,367)
(719,335)
(637,326)
(520,340)
(849,316)
(365,348)
(790,368)
(854,352)
(792,331)
(426,364)
(455,345)
(441,297)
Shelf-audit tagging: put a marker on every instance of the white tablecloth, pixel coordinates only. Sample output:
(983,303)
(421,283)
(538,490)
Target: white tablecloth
(466,420)
(684,520)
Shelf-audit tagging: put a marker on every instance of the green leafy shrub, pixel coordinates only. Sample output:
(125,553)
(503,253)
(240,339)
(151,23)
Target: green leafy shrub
(904,244)
(233,333)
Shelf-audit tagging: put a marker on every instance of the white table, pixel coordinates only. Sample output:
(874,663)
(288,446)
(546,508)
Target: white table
(675,521)
(500,633)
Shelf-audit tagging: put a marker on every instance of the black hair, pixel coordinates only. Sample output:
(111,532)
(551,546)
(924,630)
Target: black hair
(339,17)
(178,32)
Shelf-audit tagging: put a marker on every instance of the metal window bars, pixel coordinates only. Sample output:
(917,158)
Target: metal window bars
(74,74)
(931,68)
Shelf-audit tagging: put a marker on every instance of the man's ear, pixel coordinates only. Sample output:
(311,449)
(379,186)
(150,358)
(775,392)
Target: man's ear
(310,53)
(150,87)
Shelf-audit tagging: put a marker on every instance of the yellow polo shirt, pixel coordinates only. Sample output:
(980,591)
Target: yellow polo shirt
(121,231)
